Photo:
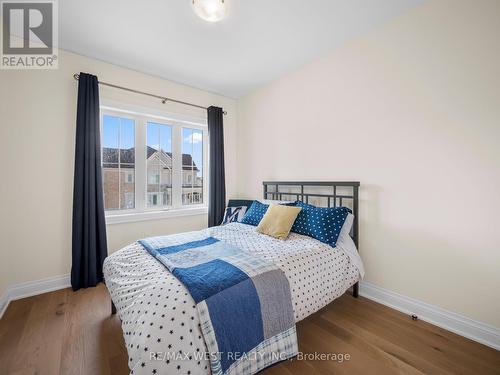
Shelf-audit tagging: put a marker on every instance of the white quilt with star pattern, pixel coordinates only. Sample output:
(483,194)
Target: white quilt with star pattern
(159,318)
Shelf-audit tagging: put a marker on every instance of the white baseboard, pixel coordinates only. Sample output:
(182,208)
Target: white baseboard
(32,288)
(456,323)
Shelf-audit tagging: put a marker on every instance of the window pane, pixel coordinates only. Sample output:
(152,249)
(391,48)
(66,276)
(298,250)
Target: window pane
(118,162)
(110,139)
(198,166)
(159,165)
(127,187)
(110,185)
(192,166)
(166,170)
(127,164)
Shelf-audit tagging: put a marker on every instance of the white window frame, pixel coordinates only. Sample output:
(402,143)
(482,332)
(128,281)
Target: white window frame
(141,117)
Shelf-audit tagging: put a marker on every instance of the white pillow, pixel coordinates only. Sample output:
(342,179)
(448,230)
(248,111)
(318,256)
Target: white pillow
(272,201)
(346,228)
(346,244)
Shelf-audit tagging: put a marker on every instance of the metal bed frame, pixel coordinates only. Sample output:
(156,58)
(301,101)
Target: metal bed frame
(330,192)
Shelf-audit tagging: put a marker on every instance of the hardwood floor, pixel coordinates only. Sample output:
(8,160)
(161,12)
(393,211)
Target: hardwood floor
(64,332)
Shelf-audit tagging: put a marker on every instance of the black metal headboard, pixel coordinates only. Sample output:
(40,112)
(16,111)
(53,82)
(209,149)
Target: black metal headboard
(319,193)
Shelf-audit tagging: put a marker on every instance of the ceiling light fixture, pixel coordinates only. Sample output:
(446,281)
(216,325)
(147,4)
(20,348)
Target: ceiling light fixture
(210,10)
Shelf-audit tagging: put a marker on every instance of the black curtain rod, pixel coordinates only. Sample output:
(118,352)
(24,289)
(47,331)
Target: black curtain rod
(162,98)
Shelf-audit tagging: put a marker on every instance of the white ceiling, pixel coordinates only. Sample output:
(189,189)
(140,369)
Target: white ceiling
(259,41)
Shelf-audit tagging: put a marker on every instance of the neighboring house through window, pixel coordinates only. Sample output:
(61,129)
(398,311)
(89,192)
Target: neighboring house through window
(151,163)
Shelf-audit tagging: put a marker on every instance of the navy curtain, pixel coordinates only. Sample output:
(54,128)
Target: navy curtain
(89,227)
(217,188)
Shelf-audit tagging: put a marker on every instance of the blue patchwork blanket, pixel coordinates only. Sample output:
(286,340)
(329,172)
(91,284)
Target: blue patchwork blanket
(244,303)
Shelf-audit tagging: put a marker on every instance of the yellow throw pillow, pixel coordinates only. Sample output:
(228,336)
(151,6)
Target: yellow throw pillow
(278,221)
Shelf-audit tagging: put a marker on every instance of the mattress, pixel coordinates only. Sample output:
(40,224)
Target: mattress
(159,318)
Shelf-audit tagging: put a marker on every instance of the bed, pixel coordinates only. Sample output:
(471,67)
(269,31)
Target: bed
(160,323)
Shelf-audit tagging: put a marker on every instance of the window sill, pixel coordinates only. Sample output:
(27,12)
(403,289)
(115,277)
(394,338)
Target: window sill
(154,215)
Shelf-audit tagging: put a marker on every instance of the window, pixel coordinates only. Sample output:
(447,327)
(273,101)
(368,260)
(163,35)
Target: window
(118,162)
(159,164)
(151,163)
(192,166)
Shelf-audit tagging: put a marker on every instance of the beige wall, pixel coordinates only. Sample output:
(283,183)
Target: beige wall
(413,112)
(37,136)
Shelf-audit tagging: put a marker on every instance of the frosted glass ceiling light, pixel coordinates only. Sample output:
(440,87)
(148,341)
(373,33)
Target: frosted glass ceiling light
(210,10)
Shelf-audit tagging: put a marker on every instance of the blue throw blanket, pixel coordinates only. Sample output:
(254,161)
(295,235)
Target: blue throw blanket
(244,303)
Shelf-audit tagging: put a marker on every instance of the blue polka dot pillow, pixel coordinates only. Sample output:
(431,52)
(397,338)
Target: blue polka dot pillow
(323,224)
(255,213)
